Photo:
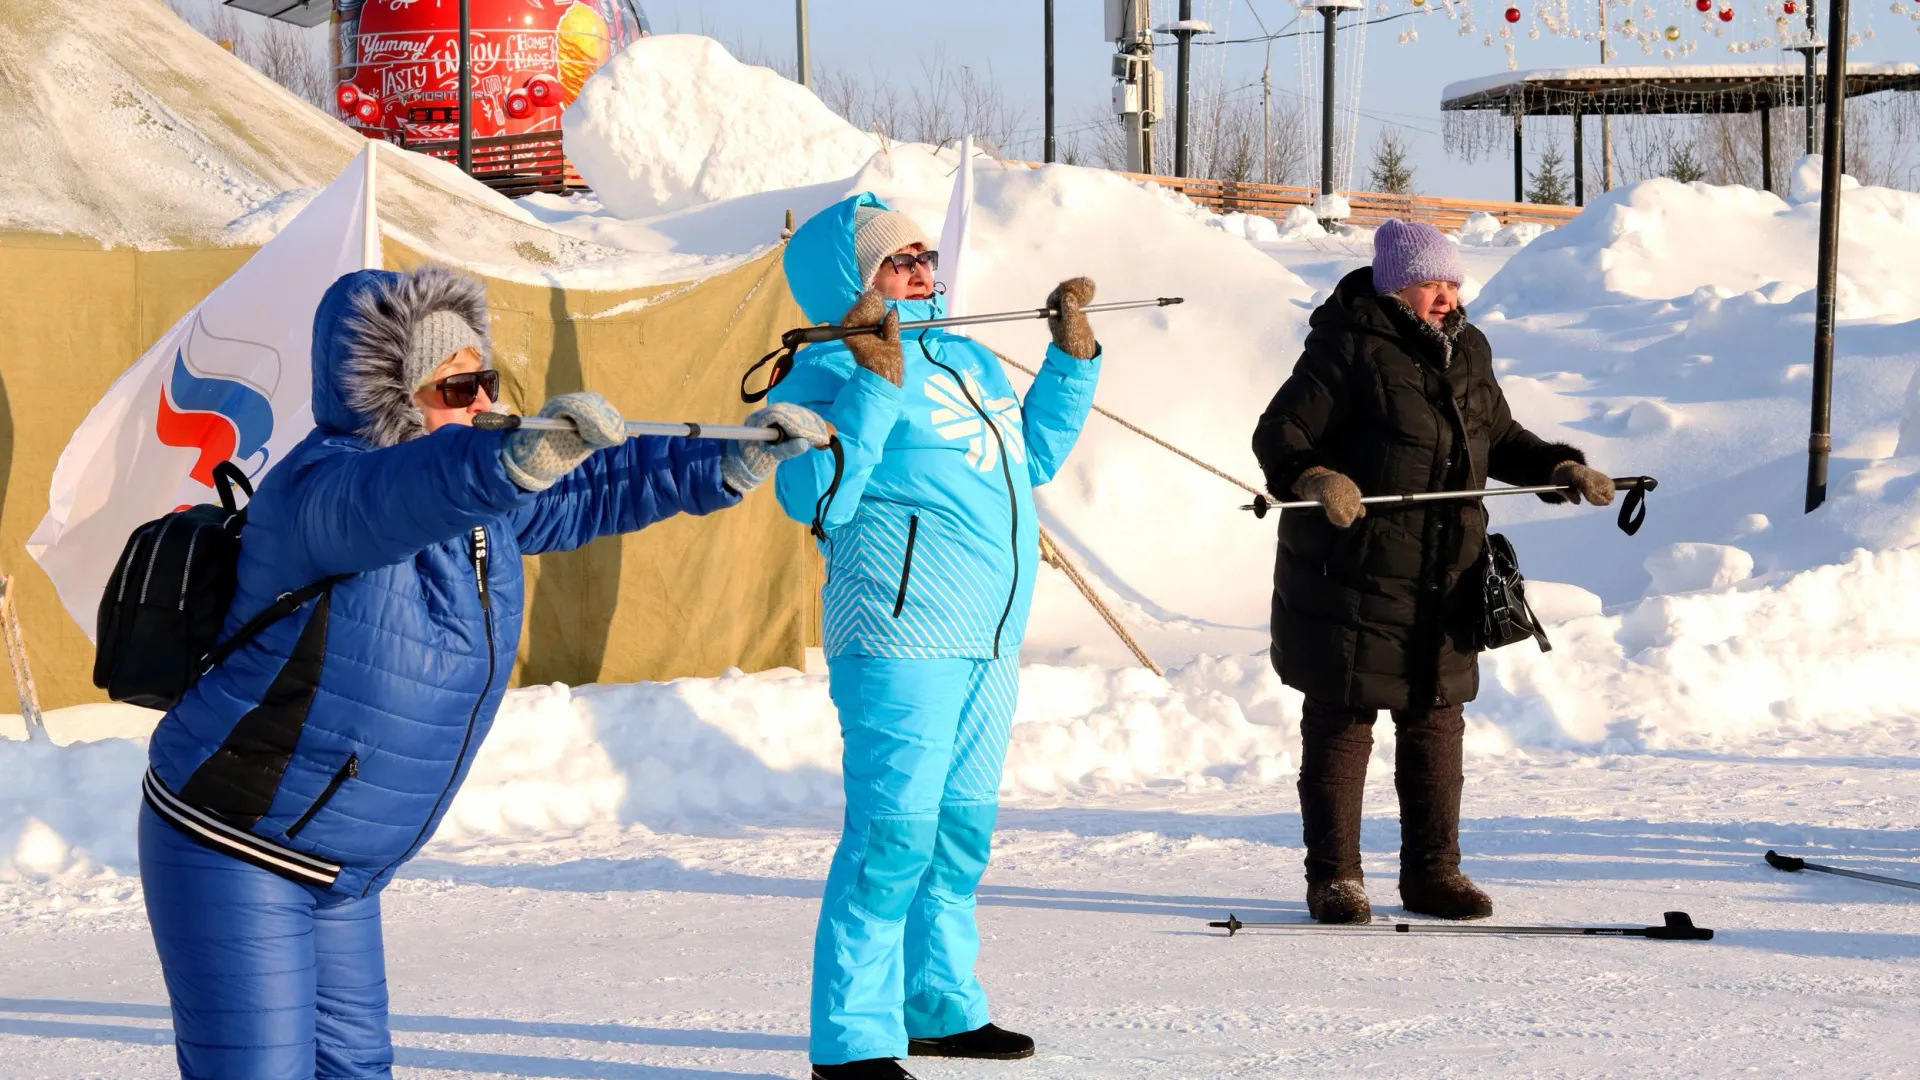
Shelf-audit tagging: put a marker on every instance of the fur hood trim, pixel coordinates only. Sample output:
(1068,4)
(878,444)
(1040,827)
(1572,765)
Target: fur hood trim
(379,334)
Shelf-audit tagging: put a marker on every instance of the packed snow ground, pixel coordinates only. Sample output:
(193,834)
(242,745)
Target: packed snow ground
(626,886)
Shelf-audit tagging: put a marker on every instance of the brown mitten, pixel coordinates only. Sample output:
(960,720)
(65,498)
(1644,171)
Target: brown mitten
(880,355)
(1591,484)
(1070,328)
(1333,491)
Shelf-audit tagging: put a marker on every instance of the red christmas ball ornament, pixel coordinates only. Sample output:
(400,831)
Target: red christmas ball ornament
(1789,7)
(543,91)
(1703,5)
(519,105)
(1513,14)
(1726,14)
(368,110)
(348,95)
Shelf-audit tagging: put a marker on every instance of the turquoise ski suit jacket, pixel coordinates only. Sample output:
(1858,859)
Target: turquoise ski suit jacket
(931,538)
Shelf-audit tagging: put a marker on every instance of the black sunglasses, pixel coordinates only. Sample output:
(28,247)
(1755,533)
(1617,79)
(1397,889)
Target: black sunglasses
(904,262)
(459,391)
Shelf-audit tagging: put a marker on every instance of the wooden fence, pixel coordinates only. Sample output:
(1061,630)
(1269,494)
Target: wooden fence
(513,165)
(1370,208)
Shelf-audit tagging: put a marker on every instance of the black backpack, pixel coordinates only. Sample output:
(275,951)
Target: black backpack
(161,614)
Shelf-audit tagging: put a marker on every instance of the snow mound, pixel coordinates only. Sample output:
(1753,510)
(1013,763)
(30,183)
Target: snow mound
(1482,229)
(675,121)
(1660,239)
(1683,568)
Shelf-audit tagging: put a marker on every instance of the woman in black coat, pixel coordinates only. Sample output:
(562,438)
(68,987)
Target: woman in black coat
(1394,394)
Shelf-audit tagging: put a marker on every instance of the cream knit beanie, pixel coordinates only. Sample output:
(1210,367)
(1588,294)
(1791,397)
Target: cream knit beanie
(879,233)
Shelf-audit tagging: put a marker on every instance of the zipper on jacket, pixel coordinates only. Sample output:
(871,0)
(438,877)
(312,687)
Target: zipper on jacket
(906,568)
(1013,500)
(466,740)
(350,769)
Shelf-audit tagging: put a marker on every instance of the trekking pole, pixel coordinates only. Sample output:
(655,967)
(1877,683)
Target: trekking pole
(782,357)
(809,335)
(1793,866)
(1633,510)
(735,432)
(1678,927)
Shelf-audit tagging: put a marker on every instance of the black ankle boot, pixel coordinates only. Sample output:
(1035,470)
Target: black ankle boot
(865,1069)
(987,1041)
(1445,894)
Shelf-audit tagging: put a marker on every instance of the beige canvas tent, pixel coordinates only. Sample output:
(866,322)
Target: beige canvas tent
(118,220)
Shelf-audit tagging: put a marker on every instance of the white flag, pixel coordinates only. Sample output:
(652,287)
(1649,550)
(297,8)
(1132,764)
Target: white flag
(953,235)
(231,381)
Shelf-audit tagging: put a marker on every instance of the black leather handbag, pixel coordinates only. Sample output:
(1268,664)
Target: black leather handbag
(1505,616)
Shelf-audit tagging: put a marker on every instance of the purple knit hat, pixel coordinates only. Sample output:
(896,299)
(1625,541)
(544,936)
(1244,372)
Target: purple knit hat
(1410,252)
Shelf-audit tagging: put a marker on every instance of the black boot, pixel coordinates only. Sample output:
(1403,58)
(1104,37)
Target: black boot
(865,1069)
(988,1041)
(1342,900)
(1335,743)
(1449,894)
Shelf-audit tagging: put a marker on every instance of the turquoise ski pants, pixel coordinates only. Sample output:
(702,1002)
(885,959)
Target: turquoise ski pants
(893,956)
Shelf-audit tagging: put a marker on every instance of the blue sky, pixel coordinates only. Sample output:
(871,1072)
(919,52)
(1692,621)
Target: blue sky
(1399,84)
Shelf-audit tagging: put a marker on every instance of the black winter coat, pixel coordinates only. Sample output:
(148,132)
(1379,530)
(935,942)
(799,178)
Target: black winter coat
(1382,615)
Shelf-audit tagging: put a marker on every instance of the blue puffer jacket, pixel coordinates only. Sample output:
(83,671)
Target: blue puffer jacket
(329,747)
(932,542)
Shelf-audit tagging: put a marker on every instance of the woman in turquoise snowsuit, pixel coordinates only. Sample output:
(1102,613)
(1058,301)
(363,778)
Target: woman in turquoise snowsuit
(932,546)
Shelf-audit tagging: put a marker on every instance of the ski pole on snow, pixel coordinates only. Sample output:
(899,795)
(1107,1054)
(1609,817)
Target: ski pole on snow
(1633,510)
(782,357)
(1792,866)
(735,432)
(1678,927)
(809,335)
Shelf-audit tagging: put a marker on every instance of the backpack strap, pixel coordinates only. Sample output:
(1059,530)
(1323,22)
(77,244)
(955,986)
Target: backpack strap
(226,477)
(283,605)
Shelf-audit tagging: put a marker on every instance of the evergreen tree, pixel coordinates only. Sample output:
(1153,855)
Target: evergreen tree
(1551,184)
(1390,172)
(1683,166)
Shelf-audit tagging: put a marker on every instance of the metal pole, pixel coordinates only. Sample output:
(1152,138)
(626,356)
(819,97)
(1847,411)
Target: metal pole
(805,61)
(1266,117)
(1820,439)
(1049,150)
(1519,151)
(466,87)
(1186,78)
(1326,101)
(1812,52)
(1766,149)
(1579,161)
(734,432)
(1606,118)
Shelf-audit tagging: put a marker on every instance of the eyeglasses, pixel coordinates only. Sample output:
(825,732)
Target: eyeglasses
(904,262)
(459,391)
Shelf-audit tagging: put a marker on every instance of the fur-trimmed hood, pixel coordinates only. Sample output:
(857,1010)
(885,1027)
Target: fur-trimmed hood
(361,333)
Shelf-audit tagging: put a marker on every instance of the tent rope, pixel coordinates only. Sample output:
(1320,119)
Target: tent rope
(1051,554)
(17,660)
(1150,437)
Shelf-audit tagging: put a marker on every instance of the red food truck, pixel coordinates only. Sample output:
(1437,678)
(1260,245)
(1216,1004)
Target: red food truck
(398,62)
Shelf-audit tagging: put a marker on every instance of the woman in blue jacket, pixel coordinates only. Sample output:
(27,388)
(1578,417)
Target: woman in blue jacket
(929,532)
(292,781)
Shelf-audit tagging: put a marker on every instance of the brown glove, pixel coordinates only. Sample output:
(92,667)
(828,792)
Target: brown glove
(1333,491)
(1070,329)
(880,355)
(1592,484)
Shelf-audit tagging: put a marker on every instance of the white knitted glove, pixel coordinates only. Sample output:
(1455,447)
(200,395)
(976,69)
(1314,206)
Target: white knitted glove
(535,460)
(746,465)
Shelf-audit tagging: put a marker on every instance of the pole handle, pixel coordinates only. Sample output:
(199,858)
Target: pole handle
(1678,927)
(1788,863)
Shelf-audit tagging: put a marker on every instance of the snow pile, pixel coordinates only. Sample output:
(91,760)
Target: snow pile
(1482,229)
(1661,239)
(674,121)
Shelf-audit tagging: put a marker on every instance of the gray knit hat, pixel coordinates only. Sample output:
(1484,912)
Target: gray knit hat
(435,337)
(1410,252)
(879,233)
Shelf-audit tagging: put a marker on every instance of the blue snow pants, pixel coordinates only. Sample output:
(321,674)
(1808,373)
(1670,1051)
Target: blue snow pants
(893,956)
(269,979)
